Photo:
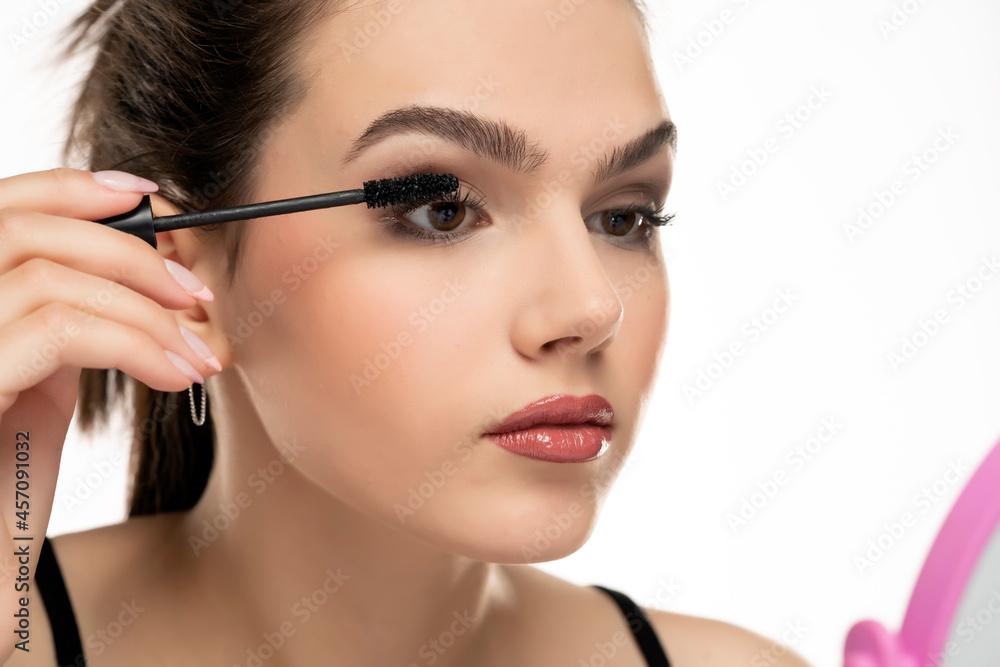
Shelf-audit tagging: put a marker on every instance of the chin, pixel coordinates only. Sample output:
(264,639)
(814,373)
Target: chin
(523,532)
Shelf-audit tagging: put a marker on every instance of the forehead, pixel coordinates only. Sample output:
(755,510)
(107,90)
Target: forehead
(564,72)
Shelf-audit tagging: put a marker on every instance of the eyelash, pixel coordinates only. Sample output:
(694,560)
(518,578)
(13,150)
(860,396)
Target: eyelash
(406,229)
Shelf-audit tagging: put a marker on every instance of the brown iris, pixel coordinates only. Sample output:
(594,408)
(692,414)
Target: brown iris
(619,223)
(446,215)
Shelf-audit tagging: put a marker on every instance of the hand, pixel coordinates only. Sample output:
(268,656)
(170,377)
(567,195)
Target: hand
(73,294)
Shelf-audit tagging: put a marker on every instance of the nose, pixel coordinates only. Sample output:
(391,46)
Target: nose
(569,306)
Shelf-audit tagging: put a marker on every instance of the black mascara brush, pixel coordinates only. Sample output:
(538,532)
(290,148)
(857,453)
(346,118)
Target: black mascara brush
(383,192)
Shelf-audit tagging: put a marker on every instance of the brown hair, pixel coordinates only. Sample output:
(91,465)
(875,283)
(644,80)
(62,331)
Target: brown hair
(184,93)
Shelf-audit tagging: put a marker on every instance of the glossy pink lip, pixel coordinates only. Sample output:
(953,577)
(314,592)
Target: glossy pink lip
(558,409)
(568,443)
(558,429)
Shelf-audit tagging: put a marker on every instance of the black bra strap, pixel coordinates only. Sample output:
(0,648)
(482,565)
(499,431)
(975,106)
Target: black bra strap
(643,630)
(49,580)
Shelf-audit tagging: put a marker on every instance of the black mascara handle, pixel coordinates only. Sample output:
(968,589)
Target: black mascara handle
(138,221)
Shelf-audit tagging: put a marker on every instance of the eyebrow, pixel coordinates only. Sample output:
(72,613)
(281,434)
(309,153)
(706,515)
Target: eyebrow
(484,137)
(637,151)
(499,142)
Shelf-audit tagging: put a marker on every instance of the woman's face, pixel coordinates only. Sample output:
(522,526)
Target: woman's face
(385,357)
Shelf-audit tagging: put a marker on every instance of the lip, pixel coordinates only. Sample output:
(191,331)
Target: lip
(558,409)
(558,429)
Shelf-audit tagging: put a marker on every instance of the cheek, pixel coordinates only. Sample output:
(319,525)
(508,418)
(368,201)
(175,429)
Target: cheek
(359,365)
(640,280)
(644,291)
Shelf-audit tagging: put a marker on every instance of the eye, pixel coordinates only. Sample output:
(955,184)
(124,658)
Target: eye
(456,216)
(433,221)
(440,216)
(632,224)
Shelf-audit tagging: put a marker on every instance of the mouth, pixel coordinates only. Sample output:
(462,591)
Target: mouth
(559,428)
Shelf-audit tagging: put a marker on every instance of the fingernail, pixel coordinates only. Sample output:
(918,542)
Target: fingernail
(188,281)
(184,367)
(201,348)
(121,181)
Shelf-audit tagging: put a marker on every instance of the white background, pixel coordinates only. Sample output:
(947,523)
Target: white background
(664,537)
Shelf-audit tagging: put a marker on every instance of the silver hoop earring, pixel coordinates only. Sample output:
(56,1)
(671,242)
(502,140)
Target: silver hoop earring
(198,421)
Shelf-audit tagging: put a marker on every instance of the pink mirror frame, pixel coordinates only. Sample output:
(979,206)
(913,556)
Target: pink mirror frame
(952,559)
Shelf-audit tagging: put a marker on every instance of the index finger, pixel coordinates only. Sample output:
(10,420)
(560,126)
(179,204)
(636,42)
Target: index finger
(73,193)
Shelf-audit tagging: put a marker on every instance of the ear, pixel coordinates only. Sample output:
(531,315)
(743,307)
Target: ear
(183,246)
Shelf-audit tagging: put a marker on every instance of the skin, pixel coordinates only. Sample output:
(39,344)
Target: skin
(542,308)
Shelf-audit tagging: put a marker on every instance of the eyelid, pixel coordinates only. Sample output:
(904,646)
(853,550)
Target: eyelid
(653,194)
(472,198)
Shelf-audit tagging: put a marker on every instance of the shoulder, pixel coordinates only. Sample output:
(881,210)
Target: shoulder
(94,564)
(599,632)
(706,642)
(94,561)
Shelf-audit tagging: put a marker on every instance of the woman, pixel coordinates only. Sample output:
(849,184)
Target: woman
(341,502)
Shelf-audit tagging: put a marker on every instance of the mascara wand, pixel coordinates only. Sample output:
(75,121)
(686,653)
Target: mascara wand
(383,192)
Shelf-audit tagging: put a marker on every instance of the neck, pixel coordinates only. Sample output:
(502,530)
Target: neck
(291,558)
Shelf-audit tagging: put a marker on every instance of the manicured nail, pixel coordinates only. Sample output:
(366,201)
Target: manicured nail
(121,181)
(201,348)
(184,367)
(189,281)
